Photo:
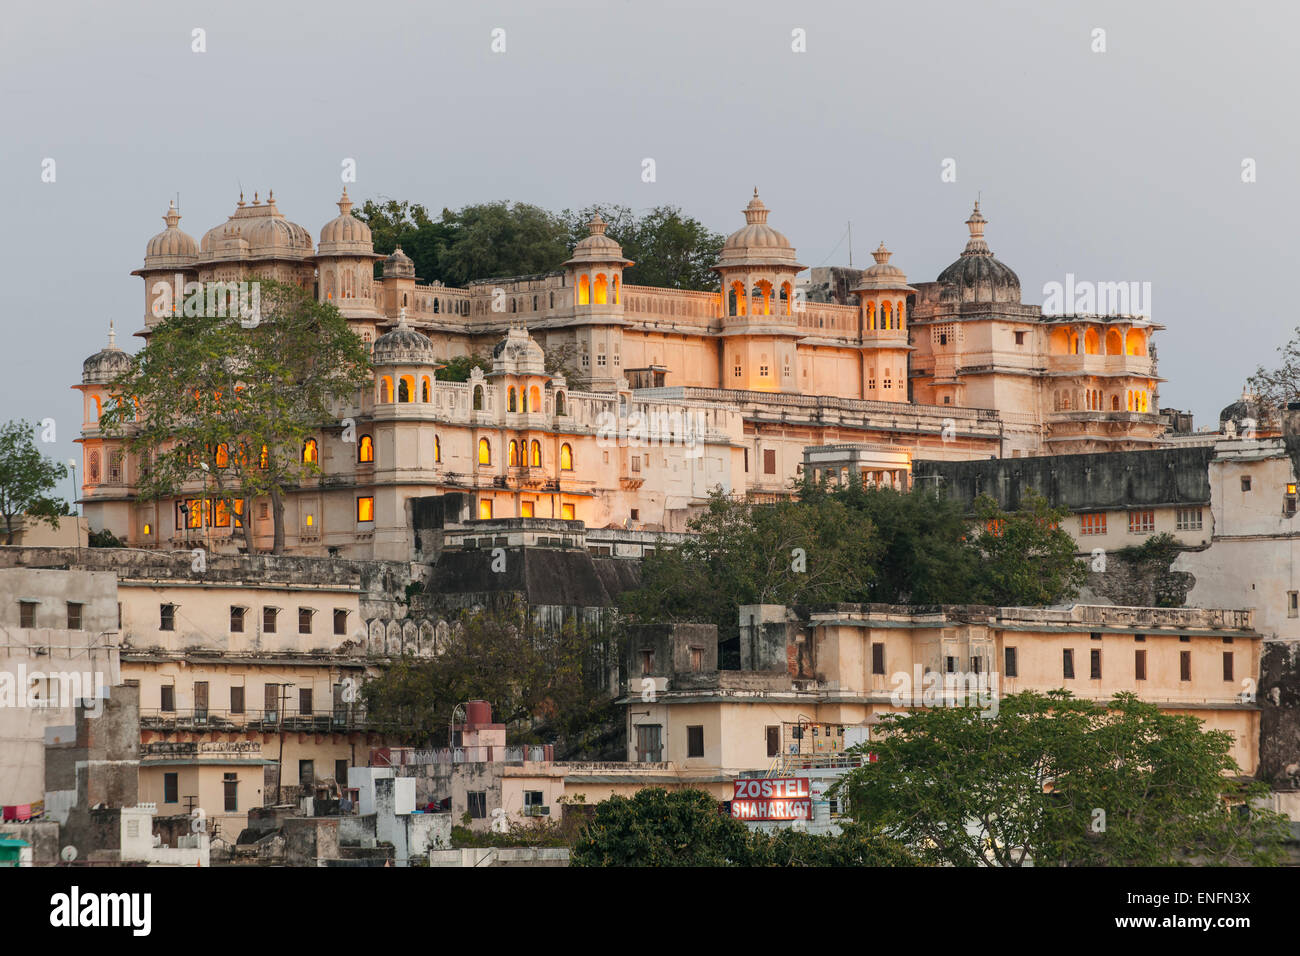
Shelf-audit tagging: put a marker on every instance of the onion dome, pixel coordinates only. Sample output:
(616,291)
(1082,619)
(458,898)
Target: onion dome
(882,277)
(257,231)
(403,345)
(597,247)
(518,354)
(106,364)
(171,248)
(399,264)
(1246,408)
(977,276)
(757,244)
(345,235)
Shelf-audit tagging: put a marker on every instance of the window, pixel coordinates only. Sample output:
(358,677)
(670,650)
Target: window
(1188,519)
(271,701)
(697,659)
(27,613)
(236,700)
(1289,501)
(309,453)
(304,620)
(171,788)
(1227,665)
(1094,664)
(746,461)
(695,741)
(366,449)
(534,803)
(340,621)
(268,619)
(1020,338)
(1245,482)
(649,743)
(1141,522)
(535,454)
(647,662)
(877,658)
(1140,665)
(74,616)
(476,801)
(1185,665)
(1293,603)
(568,512)
(201,699)
(769,461)
(366,508)
(773,741)
(167,617)
(635,514)
(950,665)
(484,508)
(512,454)
(484,452)
(636,464)
(525,509)
(566,458)
(167,698)
(237,619)
(1093,523)
(1009,662)
(304,701)
(437,449)
(1067,663)
(230,783)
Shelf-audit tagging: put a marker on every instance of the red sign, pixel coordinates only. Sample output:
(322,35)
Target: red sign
(772,798)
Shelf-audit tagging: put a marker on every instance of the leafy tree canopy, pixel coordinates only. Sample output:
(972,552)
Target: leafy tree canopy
(26,478)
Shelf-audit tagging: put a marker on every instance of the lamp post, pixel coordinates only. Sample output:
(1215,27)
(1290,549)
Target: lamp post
(72,469)
(206,505)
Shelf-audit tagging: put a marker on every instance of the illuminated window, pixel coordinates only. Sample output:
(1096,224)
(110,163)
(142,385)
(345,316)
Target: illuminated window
(222,456)
(567,512)
(584,291)
(405,388)
(309,452)
(1141,522)
(484,452)
(512,454)
(602,289)
(386,389)
(566,458)
(535,454)
(511,401)
(220,514)
(425,392)
(311,520)
(437,448)
(148,528)
(1092,523)
(264,459)
(366,449)
(525,509)
(366,508)
(485,508)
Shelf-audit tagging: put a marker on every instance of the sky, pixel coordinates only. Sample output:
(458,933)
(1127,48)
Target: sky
(1122,165)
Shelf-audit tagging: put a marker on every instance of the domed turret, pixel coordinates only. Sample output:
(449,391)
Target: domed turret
(106,364)
(518,354)
(883,277)
(757,243)
(399,265)
(345,235)
(171,248)
(257,231)
(597,247)
(403,345)
(977,276)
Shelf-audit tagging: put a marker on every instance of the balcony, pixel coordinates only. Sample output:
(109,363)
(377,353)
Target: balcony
(204,720)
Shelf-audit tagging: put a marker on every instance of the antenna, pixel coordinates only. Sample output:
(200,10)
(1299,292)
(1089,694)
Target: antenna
(850,243)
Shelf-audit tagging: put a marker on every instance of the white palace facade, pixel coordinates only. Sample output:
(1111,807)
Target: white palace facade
(673,393)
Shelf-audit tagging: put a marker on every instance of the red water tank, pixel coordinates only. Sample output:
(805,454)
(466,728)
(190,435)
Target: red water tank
(478,713)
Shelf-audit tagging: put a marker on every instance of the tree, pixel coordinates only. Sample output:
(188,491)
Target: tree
(393,223)
(501,239)
(657,827)
(250,399)
(1277,388)
(1025,559)
(26,477)
(668,249)
(1051,780)
(458,369)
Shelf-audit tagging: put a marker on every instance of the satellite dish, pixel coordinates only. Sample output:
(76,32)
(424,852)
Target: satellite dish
(68,853)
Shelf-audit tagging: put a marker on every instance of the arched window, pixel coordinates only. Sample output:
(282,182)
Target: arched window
(534,399)
(366,449)
(513,304)
(99,408)
(1091,342)
(93,469)
(601,290)
(511,401)
(426,390)
(309,453)
(1135,343)
(513,458)
(264,459)
(484,452)
(223,455)
(786,296)
(535,456)
(478,398)
(1114,403)
(616,286)
(566,457)
(436,303)
(559,403)
(385,389)
(584,290)
(1114,343)
(886,319)
(738,290)
(406,388)
(437,449)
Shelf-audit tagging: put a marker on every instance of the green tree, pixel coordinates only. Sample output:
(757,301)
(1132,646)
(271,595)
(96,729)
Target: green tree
(1025,558)
(458,369)
(1057,781)
(26,478)
(668,249)
(501,239)
(657,827)
(396,223)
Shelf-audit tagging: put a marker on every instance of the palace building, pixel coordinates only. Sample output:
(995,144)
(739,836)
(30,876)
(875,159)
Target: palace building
(662,394)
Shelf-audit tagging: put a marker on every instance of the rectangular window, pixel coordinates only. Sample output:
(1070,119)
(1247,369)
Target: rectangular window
(230,783)
(950,665)
(304,702)
(1092,523)
(1292,603)
(535,800)
(74,616)
(201,699)
(769,461)
(26,613)
(476,804)
(1067,663)
(746,461)
(1141,522)
(268,619)
(168,699)
(877,658)
(1227,665)
(166,617)
(568,513)
(1020,338)
(306,774)
(773,741)
(271,702)
(647,663)
(341,772)
(304,620)
(1184,665)
(1009,662)
(695,741)
(525,509)
(1245,482)
(237,619)
(636,464)
(171,788)
(236,700)
(1188,519)
(1094,664)
(366,508)
(1140,665)
(697,659)
(649,743)
(340,621)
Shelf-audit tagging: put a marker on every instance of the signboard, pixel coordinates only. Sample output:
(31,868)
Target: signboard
(772,798)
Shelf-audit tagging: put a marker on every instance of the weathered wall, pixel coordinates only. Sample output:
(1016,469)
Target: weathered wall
(1279,726)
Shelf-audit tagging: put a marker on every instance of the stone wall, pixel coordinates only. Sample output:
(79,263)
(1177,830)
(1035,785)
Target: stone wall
(1279,724)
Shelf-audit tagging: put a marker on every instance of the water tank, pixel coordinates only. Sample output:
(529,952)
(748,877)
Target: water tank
(478,712)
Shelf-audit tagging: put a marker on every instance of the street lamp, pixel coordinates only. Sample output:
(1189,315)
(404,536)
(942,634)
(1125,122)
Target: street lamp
(72,468)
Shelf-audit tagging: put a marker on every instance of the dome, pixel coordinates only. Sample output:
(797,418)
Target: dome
(403,345)
(883,277)
(757,244)
(106,364)
(597,247)
(399,264)
(518,353)
(171,248)
(345,234)
(1244,408)
(259,231)
(977,276)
